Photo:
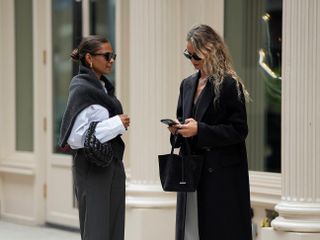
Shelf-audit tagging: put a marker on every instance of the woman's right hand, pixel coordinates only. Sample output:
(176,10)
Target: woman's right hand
(125,120)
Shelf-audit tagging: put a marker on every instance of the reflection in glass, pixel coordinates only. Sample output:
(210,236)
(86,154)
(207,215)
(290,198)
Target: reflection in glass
(61,63)
(270,66)
(24,74)
(253,33)
(102,22)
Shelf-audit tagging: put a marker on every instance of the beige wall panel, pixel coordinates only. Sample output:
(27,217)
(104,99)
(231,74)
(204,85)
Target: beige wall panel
(61,199)
(140,221)
(18,198)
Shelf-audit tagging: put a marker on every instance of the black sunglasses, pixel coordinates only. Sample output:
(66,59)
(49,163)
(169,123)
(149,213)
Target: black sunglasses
(190,56)
(108,56)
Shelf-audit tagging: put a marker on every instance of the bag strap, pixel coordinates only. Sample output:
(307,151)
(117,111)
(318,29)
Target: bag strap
(183,180)
(188,148)
(92,128)
(175,137)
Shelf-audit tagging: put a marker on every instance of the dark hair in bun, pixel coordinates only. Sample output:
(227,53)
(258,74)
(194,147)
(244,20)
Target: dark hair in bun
(90,44)
(75,54)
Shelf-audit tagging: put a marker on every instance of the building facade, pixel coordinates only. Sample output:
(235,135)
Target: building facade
(276,52)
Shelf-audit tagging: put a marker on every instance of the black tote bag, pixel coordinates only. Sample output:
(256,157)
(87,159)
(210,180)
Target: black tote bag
(180,173)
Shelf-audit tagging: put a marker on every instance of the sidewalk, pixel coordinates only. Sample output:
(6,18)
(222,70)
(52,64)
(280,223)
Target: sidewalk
(11,231)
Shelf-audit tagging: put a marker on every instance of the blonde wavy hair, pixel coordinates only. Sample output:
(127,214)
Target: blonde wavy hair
(209,46)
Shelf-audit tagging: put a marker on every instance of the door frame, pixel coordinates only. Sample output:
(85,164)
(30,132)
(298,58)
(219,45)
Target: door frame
(58,166)
(60,204)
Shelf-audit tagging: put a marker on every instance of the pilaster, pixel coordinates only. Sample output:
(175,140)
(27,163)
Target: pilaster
(154,75)
(299,209)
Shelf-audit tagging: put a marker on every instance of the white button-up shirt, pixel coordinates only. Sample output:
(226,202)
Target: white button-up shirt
(106,129)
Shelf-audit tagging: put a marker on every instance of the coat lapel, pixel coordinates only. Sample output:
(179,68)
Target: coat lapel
(188,94)
(205,100)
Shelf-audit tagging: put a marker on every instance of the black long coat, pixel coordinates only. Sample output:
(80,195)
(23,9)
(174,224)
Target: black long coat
(223,191)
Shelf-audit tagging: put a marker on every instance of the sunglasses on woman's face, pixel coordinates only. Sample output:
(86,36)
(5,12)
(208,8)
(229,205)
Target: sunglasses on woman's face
(190,56)
(108,56)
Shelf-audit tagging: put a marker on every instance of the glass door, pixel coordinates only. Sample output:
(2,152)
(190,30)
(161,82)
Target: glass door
(70,20)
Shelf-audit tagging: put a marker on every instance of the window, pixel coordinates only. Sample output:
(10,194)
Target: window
(102,22)
(253,33)
(24,75)
(62,33)
(66,34)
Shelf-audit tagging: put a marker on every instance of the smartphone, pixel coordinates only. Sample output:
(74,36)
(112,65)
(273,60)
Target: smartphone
(168,122)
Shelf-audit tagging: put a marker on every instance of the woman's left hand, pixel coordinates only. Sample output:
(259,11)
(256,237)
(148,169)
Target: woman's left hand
(189,128)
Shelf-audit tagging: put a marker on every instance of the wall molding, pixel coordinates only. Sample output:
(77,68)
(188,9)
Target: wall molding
(265,188)
(59,160)
(64,219)
(19,219)
(148,196)
(18,167)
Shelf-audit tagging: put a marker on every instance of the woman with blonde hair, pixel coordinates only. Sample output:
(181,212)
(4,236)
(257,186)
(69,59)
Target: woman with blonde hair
(213,117)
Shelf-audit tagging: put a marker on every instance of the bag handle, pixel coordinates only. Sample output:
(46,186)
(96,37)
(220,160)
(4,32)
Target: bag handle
(174,143)
(188,149)
(182,181)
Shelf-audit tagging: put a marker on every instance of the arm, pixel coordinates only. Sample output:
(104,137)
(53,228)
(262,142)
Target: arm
(234,130)
(107,129)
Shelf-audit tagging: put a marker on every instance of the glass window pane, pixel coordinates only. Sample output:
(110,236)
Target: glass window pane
(66,34)
(102,22)
(253,33)
(62,31)
(24,74)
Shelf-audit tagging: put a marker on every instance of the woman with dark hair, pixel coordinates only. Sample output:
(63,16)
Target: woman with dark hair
(212,108)
(94,114)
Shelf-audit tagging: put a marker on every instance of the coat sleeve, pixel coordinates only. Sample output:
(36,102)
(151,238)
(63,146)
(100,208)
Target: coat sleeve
(234,128)
(179,114)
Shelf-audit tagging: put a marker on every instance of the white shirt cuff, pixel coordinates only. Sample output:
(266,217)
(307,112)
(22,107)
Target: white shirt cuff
(109,129)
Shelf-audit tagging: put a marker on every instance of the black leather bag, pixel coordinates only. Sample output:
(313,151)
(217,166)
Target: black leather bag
(180,173)
(100,154)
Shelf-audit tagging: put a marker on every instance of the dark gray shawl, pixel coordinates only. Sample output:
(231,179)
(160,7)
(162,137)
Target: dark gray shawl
(85,90)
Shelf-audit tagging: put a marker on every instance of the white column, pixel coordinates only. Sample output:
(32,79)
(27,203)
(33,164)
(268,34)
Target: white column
(299,209)
(2,84)
(2,70)
(150,42)
(154,78)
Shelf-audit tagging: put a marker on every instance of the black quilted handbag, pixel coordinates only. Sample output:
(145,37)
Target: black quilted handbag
(100,154)
(180,173)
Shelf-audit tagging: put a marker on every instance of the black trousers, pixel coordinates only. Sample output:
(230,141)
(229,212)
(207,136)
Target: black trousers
(101,199)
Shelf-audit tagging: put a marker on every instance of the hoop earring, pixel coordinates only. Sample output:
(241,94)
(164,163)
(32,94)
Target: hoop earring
(90,64)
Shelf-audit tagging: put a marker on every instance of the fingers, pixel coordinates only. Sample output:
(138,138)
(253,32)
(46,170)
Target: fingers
(188,120)
(125,120)
(189,129)
(173,129)
(183,132)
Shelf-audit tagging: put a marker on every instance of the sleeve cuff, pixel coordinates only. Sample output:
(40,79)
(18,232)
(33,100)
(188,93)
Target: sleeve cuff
(117,123)
(109,129)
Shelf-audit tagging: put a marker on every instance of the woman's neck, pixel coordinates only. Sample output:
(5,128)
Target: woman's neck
(203,74)
(97,74)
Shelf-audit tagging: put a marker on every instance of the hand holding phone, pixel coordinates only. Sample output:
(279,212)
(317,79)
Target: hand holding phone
(169,122)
